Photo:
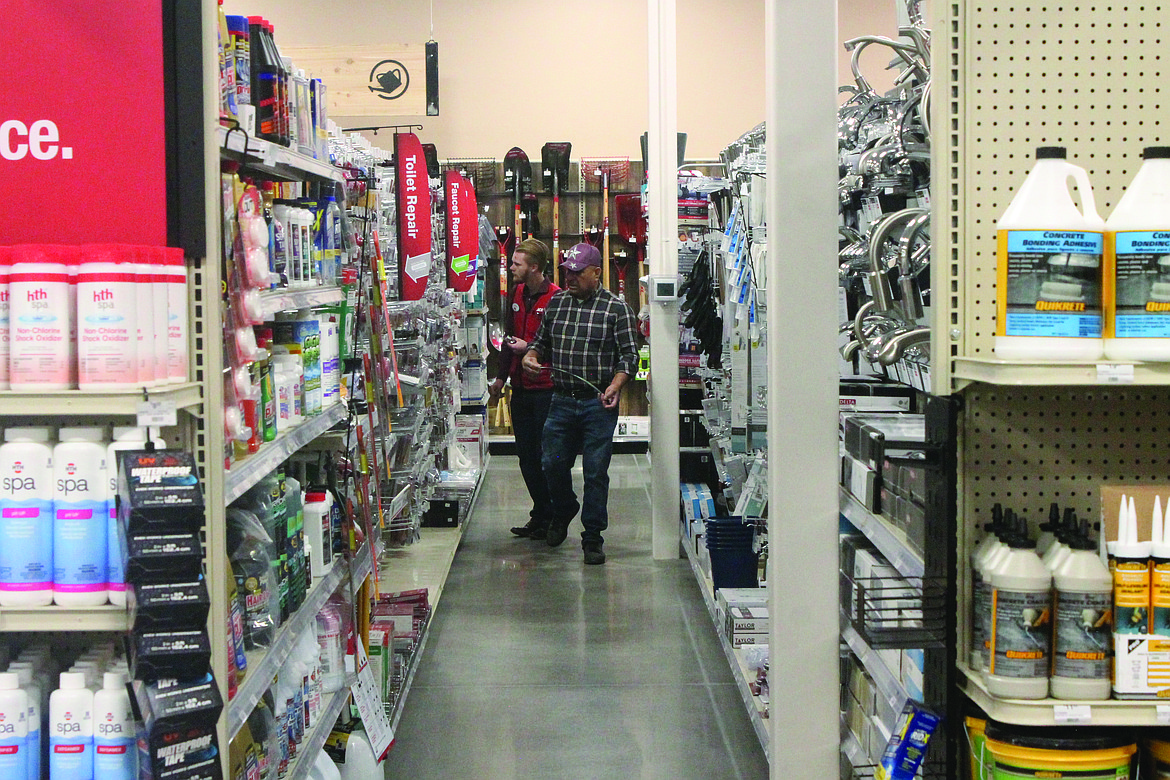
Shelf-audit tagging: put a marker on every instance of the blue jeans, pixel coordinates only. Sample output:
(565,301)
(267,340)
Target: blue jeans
(586,427)
(529,410)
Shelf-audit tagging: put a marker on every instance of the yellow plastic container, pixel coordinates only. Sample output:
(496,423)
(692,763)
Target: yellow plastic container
(1021,752)
(977,742)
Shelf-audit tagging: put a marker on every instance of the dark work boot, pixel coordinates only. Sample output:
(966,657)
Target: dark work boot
(531,529)
(594,555)
(557,531)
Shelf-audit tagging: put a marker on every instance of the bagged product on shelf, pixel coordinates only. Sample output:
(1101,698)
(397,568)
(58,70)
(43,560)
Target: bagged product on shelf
(263,727)
(251,552)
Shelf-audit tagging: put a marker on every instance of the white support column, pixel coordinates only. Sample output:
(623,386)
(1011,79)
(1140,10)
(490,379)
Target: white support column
(800,63)
(662,248)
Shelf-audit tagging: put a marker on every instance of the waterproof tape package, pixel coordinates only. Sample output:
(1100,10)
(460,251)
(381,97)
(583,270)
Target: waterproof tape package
(179,724)
(166,654)
(907,747)
(171,605)
(163,558)
(158,492)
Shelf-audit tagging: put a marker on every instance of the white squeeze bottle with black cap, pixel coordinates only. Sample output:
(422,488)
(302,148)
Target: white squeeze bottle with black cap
(1059,549)
(1021,623)
(1083,612)
(1049,280)
(1008,530)
(1131,576)
(14,746)
(979,557)
(1137,264)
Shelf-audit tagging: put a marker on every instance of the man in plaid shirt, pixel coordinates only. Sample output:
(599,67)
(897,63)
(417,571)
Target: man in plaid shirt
(588,338)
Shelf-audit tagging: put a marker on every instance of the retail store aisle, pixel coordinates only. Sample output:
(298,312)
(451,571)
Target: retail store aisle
(538,666)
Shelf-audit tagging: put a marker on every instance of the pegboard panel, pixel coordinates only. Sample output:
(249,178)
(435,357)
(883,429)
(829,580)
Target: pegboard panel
(1011,75)
(1027,447)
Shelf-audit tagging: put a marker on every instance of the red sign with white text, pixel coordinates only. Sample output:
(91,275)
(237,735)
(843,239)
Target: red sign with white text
(414,217)
(462,232)
(82,124)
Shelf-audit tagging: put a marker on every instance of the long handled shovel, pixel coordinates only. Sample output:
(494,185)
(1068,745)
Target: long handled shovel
(554,163)
(517,175)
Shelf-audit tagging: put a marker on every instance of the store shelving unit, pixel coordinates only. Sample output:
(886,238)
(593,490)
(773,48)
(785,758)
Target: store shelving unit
(315,740)
(95,403)
(889,540)
(246,473)
(1034,432)
(263,665)
(888,682)
(54,618)
(739,669)
(273,160)
(306,298)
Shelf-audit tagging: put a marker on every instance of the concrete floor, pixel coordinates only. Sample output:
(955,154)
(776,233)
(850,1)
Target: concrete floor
(538,666)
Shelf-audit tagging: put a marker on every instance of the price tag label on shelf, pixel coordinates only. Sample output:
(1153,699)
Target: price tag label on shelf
(1115,373)
(157,414)
(1072,713)
(369,704)
(1163,713)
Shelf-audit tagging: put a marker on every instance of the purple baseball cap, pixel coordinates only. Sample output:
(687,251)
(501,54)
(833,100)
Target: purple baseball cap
(581,257)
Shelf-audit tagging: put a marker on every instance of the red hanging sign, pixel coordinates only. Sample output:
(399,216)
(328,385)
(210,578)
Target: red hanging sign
(462,232)
(414,217)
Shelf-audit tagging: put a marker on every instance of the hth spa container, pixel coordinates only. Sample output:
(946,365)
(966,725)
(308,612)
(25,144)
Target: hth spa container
(1049,283)
(26,518)
(80,518)
(71,729)
(14,762)
(114,754)
(1137,265)
(107,318)
(41,317)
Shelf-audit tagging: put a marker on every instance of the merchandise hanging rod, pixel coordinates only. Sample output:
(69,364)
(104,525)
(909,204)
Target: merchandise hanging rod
(376,128)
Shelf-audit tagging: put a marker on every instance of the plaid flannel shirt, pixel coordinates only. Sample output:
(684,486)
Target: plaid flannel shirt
(594,338)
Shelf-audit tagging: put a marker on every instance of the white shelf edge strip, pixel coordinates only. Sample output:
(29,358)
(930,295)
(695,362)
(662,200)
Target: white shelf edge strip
(274,154)
(247,473)
(259,675)
(884,536)
(284,300)
(761,728)
(312,745)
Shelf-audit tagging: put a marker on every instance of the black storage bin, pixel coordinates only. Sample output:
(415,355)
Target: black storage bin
(696,464)
(442,514)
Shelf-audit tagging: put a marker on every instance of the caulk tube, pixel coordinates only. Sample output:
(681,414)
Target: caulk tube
(14,748)
(107,317)
(80,518)
(114,748)
(71,729)
(26,518)
(1137,275)
(1021,632)
(1049,289)
(1083,632)
(125,438)
(1131,577)
(40,317)
(1160,572)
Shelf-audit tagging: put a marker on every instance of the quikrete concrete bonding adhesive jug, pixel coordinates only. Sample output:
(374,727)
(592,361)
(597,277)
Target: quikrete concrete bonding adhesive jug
(1049,283)
(1137,265)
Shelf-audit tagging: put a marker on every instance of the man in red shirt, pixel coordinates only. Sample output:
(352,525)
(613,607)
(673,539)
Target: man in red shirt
(531,395)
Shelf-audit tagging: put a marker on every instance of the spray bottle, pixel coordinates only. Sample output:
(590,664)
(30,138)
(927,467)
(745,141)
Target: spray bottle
(115,754)
(71,729)
(26,518)
(1131,576)
(14,747)
(1137,263)
(1083,626)
(1021,603)
(1048,291)
(80,518)
(1160,571)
